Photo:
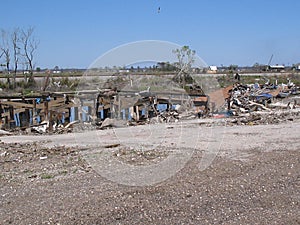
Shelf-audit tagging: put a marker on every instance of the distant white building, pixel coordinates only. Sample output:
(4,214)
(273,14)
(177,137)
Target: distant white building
(277,67)
(124,71)
(212,69)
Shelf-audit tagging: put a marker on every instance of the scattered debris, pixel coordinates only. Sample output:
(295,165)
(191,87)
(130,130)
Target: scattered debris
(58,113)
(3,132)
(112,146)
(262,104)
(140,156)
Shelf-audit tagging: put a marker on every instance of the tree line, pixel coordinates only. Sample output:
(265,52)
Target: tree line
(18,47)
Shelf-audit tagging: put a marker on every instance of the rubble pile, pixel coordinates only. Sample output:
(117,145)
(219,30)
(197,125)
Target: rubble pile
(248,104)
(44,128)
(166,117)
(257,118)
(262,104)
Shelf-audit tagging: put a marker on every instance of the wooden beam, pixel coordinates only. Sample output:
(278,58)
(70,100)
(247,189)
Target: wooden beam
(18,104)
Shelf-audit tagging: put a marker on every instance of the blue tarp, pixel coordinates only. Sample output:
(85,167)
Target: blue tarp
(264,95)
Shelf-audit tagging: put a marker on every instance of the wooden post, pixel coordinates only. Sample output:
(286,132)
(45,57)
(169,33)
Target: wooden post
(34,113)
(6,122)
(112,109)
(67,118)
(27,117)
(46,109)
(137,113)
(120,108)
(51,122)
(94,110)
(1,111)
(97,107)
(80,113)
(89,115)
(12,117)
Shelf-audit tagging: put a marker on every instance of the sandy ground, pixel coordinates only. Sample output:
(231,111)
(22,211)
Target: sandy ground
(184,173)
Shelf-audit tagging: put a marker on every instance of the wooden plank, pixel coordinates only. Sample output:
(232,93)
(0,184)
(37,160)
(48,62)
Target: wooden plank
(19,110)
(17,104)
(59,107)
(56,102)
(55,111)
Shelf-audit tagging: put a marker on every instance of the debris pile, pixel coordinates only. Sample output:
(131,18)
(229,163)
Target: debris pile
(166,117)
(262,104)
(102,109)
(44,127)
(273,117)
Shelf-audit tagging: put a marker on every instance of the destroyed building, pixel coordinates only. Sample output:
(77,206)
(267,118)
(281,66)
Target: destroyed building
(52,111)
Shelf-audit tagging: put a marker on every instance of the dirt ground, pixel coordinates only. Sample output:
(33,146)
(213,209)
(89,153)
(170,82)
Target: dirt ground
(253,177)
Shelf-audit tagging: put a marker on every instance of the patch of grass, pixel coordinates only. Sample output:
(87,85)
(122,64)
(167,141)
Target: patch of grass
(27,171)
(47,176)
(64,172)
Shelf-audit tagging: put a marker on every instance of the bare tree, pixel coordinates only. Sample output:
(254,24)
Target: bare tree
(15,38)
(30,45)
(5,49)
(1,54)
(186,58)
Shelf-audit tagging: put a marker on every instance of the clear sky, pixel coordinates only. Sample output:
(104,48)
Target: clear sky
(73,33)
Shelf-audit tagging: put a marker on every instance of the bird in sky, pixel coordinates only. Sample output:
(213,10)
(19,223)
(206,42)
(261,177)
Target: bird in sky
(158,10)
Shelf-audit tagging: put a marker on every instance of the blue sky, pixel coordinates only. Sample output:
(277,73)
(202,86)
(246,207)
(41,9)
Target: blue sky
(73,33)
